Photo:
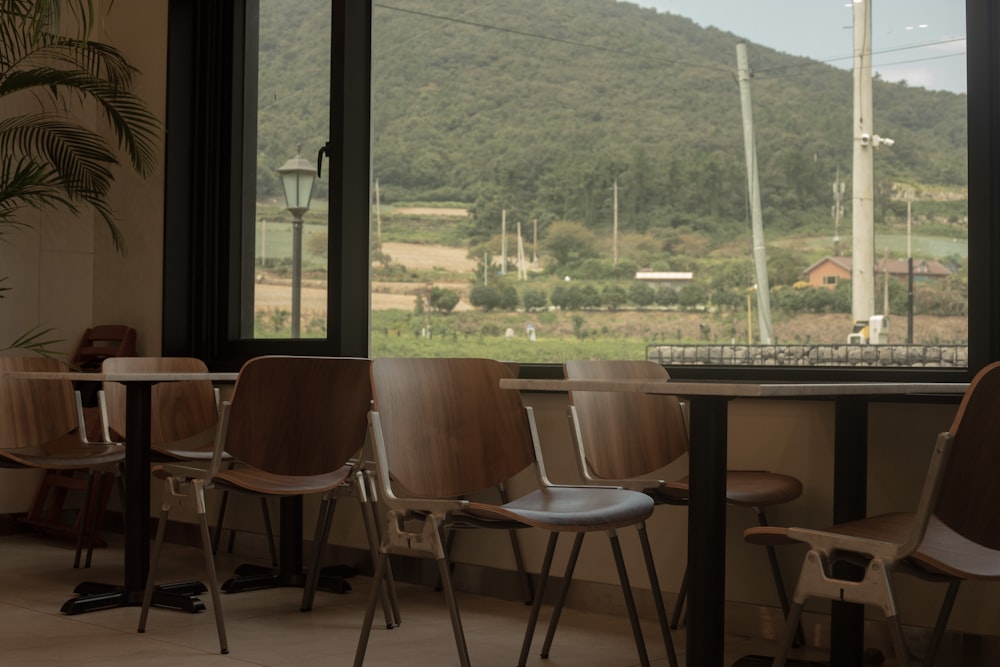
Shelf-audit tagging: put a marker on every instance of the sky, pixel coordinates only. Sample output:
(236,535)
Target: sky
(919,41)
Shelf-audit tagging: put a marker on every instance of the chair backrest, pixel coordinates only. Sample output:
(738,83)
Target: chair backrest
(34,411)
(625,434)
(969,494)
(179,409)
(101,342)
(449,429)
(299,415)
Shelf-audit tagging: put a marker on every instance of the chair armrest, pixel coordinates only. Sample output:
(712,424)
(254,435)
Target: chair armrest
(828,542)
(181,471)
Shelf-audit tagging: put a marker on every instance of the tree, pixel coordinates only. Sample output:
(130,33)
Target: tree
(569,241)
(534,299)
(641,294)
(486,297)
(443,299)
(49,158)
(614,296)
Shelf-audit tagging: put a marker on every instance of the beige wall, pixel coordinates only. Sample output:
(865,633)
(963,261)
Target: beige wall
(62,269)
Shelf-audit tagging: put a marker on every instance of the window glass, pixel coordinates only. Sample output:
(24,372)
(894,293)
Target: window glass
(291,240)
(588,178)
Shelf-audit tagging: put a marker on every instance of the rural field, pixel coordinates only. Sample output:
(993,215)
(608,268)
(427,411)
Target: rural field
(631,328)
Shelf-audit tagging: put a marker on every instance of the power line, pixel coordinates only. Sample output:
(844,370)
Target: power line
(911,47)
(550,38)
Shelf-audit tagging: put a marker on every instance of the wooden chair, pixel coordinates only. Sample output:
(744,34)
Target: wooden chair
(102,342)
(952,535)
(183,420)
(625,439)
(443,431)
(41,427)
(294,426)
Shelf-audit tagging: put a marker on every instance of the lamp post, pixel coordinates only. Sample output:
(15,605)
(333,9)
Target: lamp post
(297,178)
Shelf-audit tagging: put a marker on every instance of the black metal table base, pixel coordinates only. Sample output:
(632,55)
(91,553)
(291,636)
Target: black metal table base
(93,596)
(255,577)
(761,660)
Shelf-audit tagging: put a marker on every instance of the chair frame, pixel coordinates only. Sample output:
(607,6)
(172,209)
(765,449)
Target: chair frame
(186,481)
(950,536)
(59,442)
(644,462)
(447,505)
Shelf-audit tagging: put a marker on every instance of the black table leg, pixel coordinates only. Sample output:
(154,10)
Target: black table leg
(707,532)
(850,501)
(93,596)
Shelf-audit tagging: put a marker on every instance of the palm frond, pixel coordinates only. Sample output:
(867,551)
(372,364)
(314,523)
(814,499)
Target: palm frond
(36,341)
(46,157)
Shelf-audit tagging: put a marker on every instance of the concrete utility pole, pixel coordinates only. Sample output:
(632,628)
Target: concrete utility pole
(503,243)
(863,187)
(909,269)
(753,188)
(614,232)
(534,244)
(839,187)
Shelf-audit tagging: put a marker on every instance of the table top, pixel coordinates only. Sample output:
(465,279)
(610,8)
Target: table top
(122,377)
(740,388)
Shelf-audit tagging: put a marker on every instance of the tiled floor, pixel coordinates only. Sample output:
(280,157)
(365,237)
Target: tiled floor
(267,628)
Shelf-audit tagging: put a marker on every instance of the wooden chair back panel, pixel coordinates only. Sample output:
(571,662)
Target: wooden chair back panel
(179,409)
(626,434)
(970,491)
(449,429)
(102,342)
(299,415)
(33,412)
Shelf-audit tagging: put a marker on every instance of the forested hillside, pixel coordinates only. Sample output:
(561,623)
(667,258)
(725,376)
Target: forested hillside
(539,106)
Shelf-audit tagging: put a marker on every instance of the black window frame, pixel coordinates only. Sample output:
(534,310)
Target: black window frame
(203,277)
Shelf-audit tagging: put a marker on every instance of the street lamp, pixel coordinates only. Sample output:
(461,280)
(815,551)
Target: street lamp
(297,179)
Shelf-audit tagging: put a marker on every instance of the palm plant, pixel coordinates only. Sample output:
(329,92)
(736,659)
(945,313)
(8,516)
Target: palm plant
(49,70)
(47,157)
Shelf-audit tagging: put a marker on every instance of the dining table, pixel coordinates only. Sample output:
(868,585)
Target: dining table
(709,403)
(93,596)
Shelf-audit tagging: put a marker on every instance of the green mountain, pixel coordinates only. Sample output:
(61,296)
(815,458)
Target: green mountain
(539,106)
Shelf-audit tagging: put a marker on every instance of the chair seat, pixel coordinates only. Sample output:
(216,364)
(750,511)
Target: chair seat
(567,508)
(755,488)
(66,452)
(260,481)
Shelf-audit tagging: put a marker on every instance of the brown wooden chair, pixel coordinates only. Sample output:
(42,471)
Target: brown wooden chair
(443,431)
(183,420)
(102,342)
(41,427)
(952,535)
(625,439)
(294,427)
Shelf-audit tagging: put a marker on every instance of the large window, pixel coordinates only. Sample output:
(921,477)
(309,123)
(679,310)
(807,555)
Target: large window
(573,178)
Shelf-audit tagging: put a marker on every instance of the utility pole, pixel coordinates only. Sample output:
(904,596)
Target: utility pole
(522,269)
(378,216)
(753,187)
(614,232)
(839,188)
(534,244)
(909,270)
(503,243)
(863,187)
